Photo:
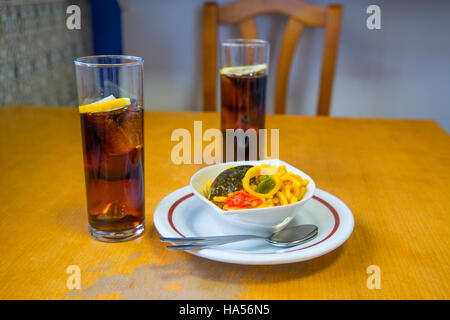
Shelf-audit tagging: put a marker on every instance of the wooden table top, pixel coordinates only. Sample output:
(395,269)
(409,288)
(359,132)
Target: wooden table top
(393,174)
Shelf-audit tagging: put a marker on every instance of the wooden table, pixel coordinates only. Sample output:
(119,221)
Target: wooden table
(393,174)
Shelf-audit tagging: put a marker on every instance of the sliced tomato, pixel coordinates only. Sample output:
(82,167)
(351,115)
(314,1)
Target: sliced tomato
(241,199)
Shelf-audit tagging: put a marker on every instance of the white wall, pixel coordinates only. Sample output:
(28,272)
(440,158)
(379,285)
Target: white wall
(400,71)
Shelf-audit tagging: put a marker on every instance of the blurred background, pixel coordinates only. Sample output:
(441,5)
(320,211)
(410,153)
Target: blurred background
(399,71)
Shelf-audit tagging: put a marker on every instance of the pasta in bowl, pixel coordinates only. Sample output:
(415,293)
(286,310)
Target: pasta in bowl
(259,195)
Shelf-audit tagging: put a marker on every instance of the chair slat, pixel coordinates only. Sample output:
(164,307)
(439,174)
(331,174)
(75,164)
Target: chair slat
(292,33)
(210,14)
(329,58)
(248,29)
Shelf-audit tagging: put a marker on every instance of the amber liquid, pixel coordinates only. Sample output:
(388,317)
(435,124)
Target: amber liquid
(114,168)
(243,107)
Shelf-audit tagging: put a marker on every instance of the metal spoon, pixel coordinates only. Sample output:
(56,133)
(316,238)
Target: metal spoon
(287,237)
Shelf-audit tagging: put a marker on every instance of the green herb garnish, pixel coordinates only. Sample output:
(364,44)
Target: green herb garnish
(265,185)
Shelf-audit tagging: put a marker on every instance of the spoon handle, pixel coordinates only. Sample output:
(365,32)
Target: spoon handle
(193,246)
(214,240)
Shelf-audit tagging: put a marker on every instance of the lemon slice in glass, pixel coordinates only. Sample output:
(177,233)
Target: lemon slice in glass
(243,70)
(109,103)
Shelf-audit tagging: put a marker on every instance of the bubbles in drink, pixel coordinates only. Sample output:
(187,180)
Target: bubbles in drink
(243,101)
(114,156)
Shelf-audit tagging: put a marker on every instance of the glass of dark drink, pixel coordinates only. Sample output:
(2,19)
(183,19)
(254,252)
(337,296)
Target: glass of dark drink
(110,104)
(243,82)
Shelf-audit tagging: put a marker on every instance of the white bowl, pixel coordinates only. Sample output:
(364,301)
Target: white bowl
(258,220)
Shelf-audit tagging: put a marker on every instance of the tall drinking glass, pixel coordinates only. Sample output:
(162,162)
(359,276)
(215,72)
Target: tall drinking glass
(243,80)
(110,96)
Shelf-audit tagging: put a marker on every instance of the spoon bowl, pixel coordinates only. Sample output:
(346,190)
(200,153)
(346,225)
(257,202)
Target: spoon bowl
(293,236)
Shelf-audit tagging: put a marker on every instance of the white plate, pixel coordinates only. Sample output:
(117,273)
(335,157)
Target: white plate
(181,214)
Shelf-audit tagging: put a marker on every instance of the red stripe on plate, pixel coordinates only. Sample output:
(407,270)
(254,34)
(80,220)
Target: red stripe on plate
(336,221)
(172,208)
(326,204)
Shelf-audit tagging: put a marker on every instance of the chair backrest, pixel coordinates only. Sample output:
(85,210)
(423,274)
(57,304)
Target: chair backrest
(301,13)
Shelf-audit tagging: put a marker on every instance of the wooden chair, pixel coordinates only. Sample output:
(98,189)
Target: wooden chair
(300,13)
